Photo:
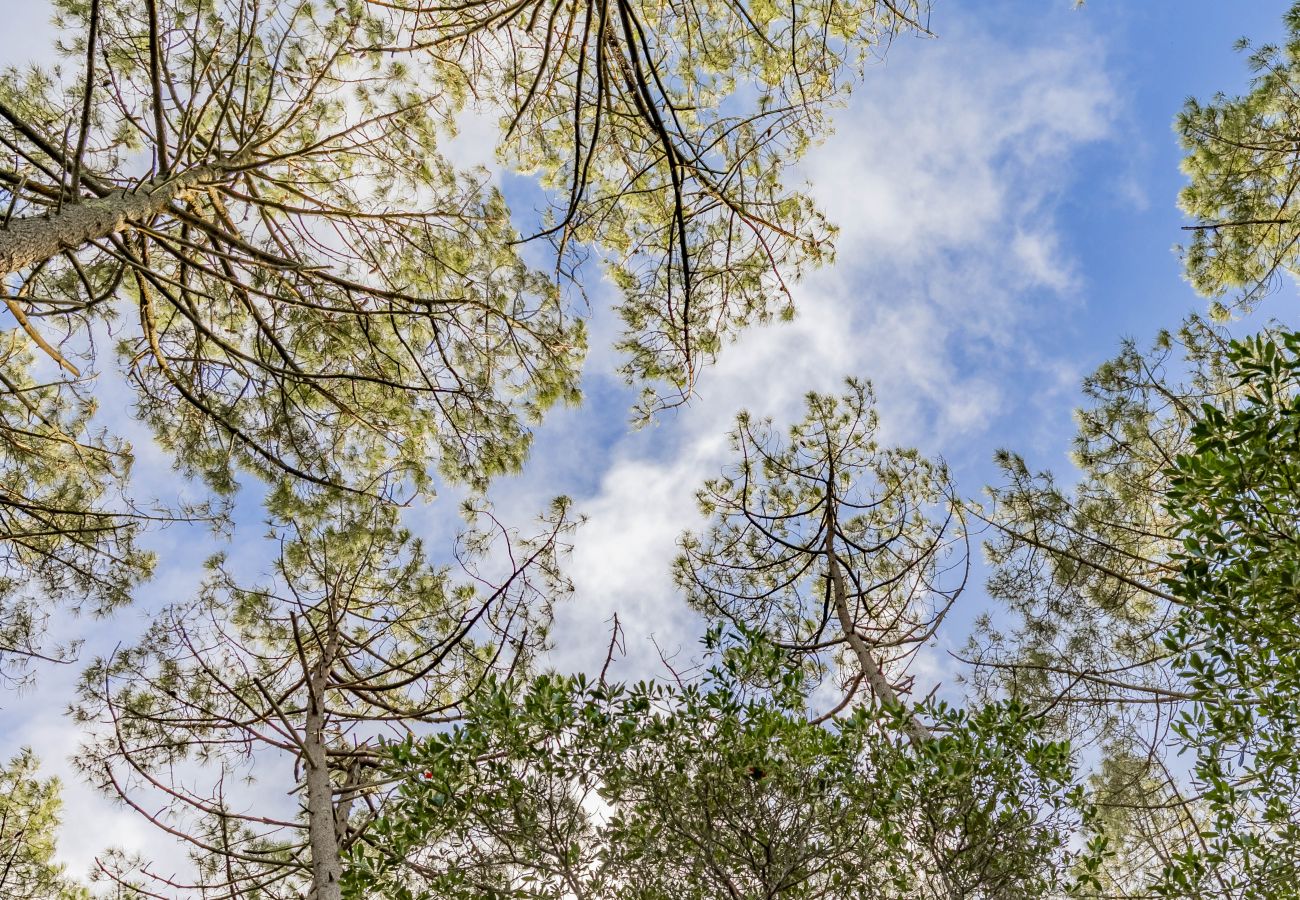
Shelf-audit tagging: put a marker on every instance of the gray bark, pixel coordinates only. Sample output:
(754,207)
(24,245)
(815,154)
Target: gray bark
(36,238)
(326,865)
(917,732)
(871,669)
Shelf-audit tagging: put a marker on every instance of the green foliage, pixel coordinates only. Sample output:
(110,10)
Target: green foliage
(307,290)
(666,132)
(1235,497)
(1241,162)
(787,506)
(67,530)
(573,788)
(353,623)
(29,821)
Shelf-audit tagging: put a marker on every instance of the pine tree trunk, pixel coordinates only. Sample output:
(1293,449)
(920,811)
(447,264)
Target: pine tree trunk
(326,866)
(30,240)
(872,671)
(917,732)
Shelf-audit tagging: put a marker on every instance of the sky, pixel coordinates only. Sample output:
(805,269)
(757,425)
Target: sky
(1006,194)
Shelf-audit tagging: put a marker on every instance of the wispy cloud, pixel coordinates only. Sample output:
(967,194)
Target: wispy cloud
(942,177)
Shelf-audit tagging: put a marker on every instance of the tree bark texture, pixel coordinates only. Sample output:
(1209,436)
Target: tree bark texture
(326,866)
(36,238)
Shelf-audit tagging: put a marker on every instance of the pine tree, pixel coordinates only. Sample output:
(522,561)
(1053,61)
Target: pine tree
(297,282)
(843,554)
(666,133)
(310,285)
(1241,162)
(29,821)
(1082,577)
(252,199)
(69,529)
(295,685)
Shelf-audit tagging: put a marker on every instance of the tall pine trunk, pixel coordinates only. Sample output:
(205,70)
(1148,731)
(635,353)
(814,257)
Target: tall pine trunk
(33,239)
(872,670)
(326,865)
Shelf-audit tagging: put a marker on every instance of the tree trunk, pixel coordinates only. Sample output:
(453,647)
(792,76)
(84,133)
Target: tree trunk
(35,238)
(326,866)
(871,670)
(917,732)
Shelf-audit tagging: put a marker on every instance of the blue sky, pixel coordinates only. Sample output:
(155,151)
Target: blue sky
(1006,194)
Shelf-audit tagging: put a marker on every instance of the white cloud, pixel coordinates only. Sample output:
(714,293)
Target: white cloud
(942,178)
(1040,258)
(946,148)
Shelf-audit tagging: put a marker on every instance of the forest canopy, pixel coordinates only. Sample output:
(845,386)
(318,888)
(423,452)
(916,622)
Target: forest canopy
(330,331)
